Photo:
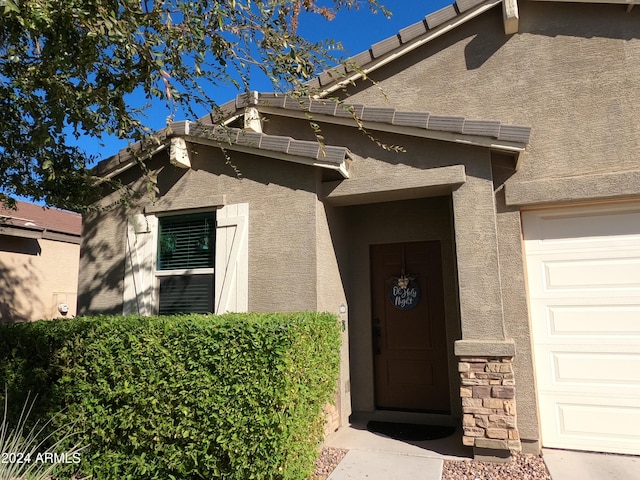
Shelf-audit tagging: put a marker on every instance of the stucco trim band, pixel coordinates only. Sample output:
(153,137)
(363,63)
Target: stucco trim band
(425,183)
(606,186)
(485,348)
(185,202)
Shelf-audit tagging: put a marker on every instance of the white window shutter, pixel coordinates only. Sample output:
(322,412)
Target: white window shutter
(139,279)
(232,259)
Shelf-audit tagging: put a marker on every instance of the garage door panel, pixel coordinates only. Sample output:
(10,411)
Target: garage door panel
(597,369)
(596,423)
(565,322)
(578,228)
(587,227)
(613,273)
(589,372)
(593,320)
(592,274)
(583,272)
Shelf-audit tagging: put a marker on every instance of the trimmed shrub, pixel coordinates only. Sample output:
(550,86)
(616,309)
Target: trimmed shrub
(237,396)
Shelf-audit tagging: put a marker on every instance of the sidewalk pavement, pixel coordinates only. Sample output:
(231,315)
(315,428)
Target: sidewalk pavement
(570,465)
(376,457)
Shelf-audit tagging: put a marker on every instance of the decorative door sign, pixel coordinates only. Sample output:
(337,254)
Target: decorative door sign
(404,292)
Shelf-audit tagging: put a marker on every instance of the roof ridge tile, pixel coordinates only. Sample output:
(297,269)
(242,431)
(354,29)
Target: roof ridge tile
(464,5)
(378,114)
(325,107)
(382,47)
(411,119)
(424,120)
(441,16)
(448,123)
(487,128)
(413,31)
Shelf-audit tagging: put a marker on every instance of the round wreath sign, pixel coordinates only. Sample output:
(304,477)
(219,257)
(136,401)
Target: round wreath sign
(404,292)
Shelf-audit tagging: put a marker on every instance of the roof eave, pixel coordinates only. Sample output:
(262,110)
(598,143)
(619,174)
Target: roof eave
(340,167)
(21,232)
(492,143)
(200,134)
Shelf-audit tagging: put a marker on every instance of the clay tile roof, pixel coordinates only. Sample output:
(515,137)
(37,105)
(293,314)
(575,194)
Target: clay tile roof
(419,33)
(229,137)
(390,116)
(36,217)
(431,26)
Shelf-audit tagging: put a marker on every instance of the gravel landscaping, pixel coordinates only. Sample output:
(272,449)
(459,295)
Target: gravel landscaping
(327,462)
(522,467)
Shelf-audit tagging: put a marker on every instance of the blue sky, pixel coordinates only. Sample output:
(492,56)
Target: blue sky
(357,30)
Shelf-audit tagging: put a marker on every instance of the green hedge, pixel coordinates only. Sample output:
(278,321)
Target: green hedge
(237,396)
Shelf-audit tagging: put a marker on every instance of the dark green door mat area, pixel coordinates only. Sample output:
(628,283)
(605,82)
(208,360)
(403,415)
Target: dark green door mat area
(409,431)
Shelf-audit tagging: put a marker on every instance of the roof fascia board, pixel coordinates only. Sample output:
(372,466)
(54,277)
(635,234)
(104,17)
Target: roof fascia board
(412,45)
(130,163)
(61,237)
(466,139)
(341,167)
(10,231)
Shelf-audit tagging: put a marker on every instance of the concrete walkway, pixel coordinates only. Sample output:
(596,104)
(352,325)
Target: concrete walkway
(358,465)
(376,457)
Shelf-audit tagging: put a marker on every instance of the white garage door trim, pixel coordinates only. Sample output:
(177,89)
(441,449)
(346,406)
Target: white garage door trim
(583,269)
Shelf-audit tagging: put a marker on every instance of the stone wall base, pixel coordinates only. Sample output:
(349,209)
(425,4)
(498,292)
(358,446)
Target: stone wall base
(332,418)
(488,394)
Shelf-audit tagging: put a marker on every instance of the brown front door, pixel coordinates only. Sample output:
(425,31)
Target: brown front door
(409,338)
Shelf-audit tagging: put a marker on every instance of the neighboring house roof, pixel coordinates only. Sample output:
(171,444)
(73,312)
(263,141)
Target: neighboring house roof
(34,221)
(459,129)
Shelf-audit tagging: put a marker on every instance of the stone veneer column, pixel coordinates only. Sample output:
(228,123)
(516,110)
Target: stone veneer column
(488,404)
(485,355)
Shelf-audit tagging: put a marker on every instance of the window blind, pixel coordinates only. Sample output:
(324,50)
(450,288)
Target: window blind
(186,294)
(186,242)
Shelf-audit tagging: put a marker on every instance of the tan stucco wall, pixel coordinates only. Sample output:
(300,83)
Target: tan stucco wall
(571,74)
(331,254)
(36,275)
(282,228)
(471,212)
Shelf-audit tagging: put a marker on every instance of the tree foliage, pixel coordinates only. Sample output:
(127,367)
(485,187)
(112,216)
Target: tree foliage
(68,68)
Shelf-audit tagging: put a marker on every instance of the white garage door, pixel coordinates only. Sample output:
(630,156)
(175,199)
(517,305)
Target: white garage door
(583,269)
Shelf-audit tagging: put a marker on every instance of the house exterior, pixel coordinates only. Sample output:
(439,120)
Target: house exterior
(487,273)
(39,259)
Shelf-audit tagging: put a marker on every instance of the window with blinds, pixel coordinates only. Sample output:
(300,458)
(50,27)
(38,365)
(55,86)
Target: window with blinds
(186,246)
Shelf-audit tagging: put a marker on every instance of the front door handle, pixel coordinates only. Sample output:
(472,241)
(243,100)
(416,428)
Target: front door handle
(377,333)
